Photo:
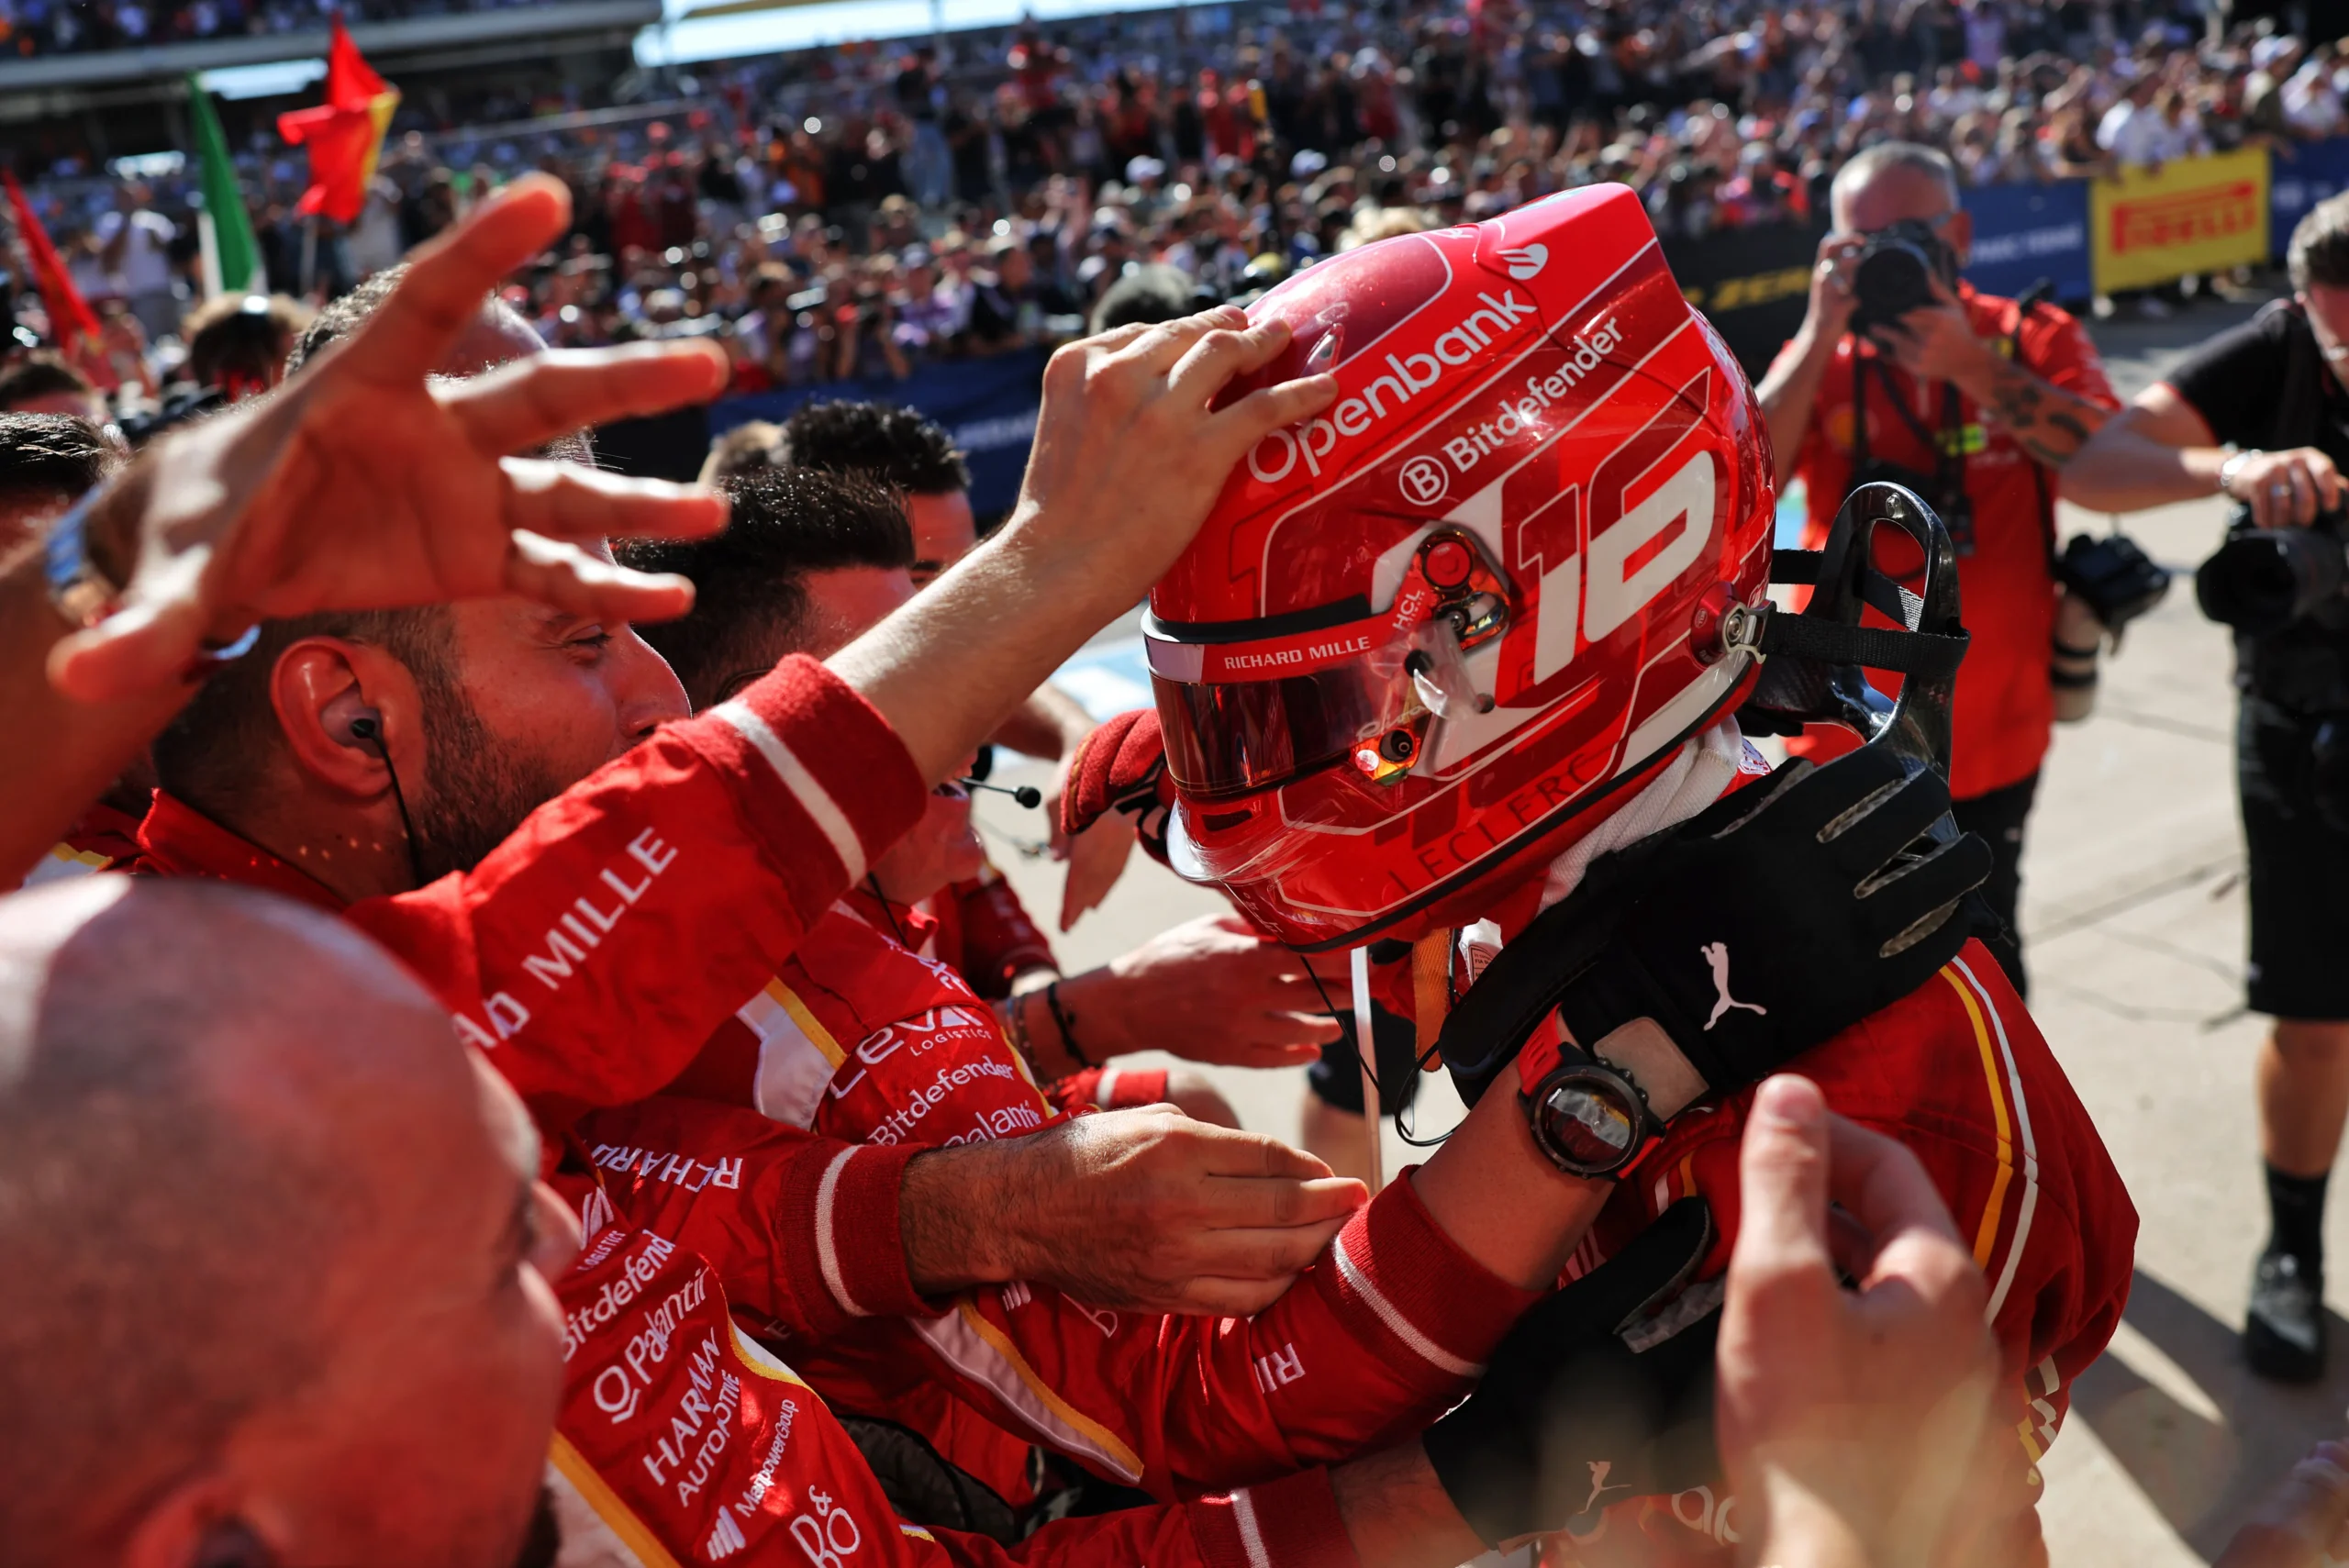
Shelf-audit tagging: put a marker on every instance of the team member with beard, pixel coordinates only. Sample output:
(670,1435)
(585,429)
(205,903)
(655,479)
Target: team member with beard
(490,789)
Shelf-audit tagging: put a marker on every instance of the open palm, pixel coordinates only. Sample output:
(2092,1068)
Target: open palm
(366,484)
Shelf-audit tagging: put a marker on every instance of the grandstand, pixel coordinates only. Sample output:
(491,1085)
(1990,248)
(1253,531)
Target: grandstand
(71,81)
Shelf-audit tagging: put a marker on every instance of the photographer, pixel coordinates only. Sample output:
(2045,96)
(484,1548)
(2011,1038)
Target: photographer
(2271,391)
(1973,401)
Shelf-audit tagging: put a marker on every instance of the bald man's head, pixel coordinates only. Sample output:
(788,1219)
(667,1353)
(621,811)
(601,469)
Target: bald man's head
(245,1172)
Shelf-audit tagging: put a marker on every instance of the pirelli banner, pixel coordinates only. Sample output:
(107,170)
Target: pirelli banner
(1752,283)
(2203,214)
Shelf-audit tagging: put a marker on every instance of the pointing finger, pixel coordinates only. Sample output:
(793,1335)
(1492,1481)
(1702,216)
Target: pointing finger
(565,500)
(567,578)
(532,401)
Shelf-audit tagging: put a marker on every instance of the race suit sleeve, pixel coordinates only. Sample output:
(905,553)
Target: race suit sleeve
(681,1440)
(593,952)
(805,1229)
(1381,1334)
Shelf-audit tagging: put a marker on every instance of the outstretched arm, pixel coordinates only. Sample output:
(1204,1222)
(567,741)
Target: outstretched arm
(216,527)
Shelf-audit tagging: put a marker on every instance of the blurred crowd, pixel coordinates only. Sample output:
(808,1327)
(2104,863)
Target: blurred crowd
(850,214)
(65,26)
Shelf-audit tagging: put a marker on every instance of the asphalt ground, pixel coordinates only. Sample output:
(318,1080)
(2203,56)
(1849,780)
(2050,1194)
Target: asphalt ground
(2133,913)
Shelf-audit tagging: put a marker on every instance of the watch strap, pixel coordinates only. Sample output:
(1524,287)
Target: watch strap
(1644,1054)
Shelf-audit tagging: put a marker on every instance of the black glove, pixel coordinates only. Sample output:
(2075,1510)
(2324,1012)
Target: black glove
(1570,1418)
(1784,914)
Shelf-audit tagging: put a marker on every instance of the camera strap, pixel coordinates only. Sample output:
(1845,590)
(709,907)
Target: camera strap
(1948,448)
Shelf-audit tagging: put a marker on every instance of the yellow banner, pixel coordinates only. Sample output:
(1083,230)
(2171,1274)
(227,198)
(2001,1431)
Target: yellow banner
(2203,214)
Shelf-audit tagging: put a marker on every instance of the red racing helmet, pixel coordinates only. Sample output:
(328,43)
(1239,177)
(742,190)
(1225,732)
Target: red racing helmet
(1430,636)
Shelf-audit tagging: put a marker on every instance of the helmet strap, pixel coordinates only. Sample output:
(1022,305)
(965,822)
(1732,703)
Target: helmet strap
(1431,995)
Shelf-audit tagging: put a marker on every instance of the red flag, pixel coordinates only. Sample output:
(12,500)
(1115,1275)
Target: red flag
(69,313)
(345,134)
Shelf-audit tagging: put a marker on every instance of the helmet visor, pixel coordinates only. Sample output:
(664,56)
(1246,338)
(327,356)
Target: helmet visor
(1236,737)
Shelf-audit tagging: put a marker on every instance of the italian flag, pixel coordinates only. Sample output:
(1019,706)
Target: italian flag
(231,259)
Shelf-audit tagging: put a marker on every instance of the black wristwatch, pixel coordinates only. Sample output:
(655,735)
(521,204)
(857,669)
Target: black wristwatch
(1590,1117)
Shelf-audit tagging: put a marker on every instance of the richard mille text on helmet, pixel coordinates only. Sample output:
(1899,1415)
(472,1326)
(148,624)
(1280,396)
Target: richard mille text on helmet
(1421,634)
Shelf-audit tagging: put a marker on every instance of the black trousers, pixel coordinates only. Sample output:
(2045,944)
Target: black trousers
(1999,817)
(2299,882)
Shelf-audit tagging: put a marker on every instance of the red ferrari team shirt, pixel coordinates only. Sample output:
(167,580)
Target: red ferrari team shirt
(2005,704)
(682,1440)
(859,1037)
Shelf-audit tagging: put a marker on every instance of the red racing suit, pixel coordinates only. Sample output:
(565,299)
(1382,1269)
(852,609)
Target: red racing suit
(1959,1075)
(860,1038)
(592,954)
(672,877)
(682,1440)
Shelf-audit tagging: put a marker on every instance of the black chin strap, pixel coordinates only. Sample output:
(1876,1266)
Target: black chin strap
(1910,651)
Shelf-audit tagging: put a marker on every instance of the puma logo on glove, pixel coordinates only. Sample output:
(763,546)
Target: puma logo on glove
(1717,954)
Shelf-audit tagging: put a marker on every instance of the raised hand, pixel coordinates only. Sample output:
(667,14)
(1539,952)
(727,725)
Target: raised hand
(364,484)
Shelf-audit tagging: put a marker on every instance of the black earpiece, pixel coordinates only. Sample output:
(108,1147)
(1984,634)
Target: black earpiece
(367,729)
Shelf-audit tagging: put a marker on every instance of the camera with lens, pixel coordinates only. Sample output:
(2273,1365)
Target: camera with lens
(2263,580)
(1894,273)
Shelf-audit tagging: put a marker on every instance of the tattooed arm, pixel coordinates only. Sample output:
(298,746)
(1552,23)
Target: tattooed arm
(1937,343)
(2050,423)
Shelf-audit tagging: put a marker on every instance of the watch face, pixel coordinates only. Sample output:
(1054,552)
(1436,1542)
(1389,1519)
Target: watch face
(1586,1121)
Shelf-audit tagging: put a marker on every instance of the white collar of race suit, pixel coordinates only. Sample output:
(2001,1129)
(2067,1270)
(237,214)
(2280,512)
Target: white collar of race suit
(1689,783)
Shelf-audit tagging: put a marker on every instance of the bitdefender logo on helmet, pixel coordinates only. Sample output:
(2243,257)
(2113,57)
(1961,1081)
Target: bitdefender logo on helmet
(1519,414)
